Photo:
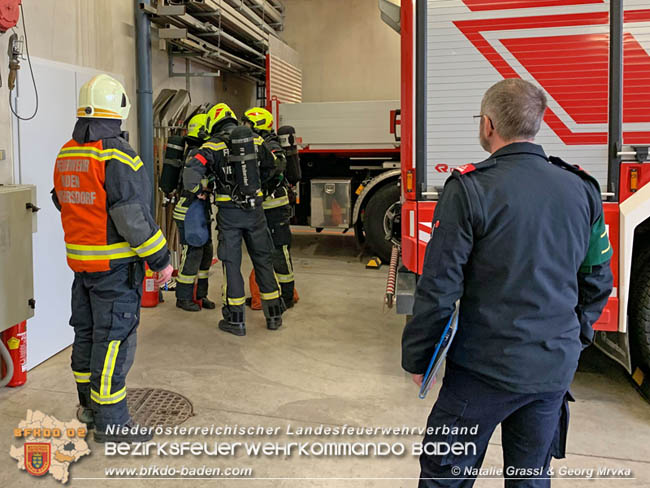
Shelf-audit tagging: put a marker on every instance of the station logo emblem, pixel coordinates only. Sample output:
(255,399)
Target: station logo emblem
(45,445)
(37,457)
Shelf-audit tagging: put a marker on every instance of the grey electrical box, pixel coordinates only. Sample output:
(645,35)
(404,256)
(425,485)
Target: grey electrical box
(17,213)
(331,203)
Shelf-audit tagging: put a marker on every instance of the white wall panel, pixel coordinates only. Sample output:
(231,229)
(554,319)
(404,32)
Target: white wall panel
(37,144)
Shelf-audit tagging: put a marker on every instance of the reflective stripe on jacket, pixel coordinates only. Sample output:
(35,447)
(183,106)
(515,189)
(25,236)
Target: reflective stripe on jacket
(275,187)
(278,198)
(105,211)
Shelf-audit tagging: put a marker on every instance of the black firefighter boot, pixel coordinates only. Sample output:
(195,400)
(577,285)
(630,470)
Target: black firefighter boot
(85,413)
(273,313)
(233,322)
(188,305)
(208,304)
(287,295)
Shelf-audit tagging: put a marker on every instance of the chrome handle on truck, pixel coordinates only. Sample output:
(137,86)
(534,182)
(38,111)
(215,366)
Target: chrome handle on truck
(640,153)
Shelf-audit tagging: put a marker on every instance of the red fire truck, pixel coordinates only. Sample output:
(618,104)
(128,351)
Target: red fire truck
(349,155)
(592,59)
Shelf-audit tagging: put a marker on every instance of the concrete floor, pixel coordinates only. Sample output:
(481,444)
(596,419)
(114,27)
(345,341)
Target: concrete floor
(336,362)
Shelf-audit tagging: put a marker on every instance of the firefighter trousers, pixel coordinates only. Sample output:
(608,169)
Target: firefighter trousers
(105,318)
(195,263)
(249,225)
(533,429)
(278,220)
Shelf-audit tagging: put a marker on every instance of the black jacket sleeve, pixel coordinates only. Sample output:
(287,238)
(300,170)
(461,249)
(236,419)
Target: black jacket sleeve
(55,199)
(277,178)
(594,288)
(280,159)
(195,170)
(441,283)
(595,278)
(128,193)
(204,162)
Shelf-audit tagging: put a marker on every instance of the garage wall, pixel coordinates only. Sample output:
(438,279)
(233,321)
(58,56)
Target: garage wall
(96,35)
(100,34)
(6,166)
(346,50)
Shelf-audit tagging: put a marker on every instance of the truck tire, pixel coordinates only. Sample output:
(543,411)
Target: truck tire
(640,258)
(373,222)
(639,311)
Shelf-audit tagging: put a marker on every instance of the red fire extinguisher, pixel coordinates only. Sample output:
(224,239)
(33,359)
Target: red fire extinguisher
(9,14)
(15,340)
(149,288)
(194,299)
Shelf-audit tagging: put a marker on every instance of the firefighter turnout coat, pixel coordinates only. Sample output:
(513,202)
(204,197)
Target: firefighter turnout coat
(209,161)
(235,224)
(104,194)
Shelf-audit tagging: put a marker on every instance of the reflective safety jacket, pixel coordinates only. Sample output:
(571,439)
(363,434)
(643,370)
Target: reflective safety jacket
(276,193)
(211,160)
(104,195)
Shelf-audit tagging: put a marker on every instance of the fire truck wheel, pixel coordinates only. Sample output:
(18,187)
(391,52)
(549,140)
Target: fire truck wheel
(377,209)
(640,314)
(641,257)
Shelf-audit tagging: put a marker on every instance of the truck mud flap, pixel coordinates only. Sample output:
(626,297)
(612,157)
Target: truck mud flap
(616,345)
(405,291)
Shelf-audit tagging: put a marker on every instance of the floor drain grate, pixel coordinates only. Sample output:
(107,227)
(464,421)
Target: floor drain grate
(153,407)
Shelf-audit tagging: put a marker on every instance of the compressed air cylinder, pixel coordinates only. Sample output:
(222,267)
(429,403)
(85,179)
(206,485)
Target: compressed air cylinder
(287,136)
(172,165)
(243,157)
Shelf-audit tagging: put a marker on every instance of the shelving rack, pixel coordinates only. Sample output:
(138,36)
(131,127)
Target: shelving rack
(220,35)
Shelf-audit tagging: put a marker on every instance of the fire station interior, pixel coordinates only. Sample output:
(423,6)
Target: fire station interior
(335,71)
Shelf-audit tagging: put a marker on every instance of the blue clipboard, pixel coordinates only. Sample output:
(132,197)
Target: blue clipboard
(439,354)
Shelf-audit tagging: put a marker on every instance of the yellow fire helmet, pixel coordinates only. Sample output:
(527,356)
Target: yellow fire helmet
(259,117)
(103,97)
(196,126)
(218,113)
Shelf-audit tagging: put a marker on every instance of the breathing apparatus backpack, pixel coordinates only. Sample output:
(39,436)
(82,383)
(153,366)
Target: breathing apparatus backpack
(240,168)
(172,165)
(287,136)
(176,155)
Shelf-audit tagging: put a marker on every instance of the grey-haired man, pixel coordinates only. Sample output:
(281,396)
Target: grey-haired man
(520,240)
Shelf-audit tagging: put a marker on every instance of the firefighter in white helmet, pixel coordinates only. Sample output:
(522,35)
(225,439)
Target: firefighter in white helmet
(104,194)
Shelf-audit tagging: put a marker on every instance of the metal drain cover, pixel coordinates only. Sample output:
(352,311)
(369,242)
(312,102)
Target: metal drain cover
(153,407)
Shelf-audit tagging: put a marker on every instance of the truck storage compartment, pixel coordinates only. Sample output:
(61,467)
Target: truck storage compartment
(341,126)
(331,203)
